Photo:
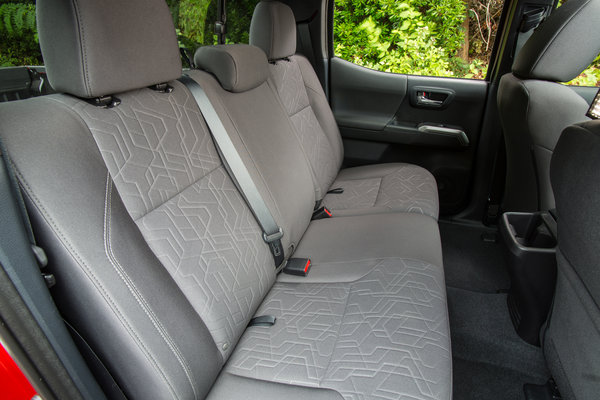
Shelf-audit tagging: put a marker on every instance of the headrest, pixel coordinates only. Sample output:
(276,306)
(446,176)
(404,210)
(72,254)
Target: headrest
(273,29)
(95,48)
(237,67)
(564,45)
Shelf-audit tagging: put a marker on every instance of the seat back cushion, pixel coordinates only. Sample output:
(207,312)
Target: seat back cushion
(301,93)
(572,339)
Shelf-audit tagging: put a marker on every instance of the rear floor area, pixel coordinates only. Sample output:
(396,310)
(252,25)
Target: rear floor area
(490,361)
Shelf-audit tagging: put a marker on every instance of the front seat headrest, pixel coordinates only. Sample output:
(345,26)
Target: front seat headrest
(564,45)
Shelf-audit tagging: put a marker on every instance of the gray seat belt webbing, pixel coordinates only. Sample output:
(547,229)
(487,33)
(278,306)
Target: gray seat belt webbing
(272,233)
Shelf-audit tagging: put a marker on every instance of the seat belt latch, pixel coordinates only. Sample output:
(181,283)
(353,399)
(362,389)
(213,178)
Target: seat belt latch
(273,237)
(263,320)
(321,213)
(297,266)
(274,242)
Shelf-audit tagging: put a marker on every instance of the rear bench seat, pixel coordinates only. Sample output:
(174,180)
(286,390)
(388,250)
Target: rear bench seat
(160,264)
(369,189)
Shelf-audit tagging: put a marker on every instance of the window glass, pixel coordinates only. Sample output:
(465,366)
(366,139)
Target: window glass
(452,38)
(194,21)
(18,34)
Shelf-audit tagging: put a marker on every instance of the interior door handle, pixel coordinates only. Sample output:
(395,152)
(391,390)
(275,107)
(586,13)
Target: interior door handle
(431,97)
(422,100)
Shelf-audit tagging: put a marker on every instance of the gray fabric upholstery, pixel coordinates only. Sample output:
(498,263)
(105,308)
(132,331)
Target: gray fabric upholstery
(384,188)
(533,114)
(237,67)
(352,238)
(261,131)
(574,175)
(572,339)
(160,264)
(233,387)
(534,109)
(273,29)
(109,283)
(382,336)
(406,189)
(186,206)
(91,51)
(302,95)
(564,45)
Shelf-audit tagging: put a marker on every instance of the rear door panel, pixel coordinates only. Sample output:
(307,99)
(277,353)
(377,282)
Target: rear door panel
(429,121)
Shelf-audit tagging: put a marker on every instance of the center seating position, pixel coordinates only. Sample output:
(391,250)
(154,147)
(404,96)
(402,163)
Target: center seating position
(160,264)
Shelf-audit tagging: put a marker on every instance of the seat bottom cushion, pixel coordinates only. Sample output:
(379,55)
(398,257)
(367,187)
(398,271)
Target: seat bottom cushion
(384,188)
(383,335)
(340,242)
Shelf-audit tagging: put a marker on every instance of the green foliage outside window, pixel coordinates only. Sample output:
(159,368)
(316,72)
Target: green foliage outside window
(451,38)
(18,35)
(422,37)
(194,21)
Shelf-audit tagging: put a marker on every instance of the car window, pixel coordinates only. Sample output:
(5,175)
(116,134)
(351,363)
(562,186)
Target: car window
(194,21)
(18,34)
(590,76)
(451,38)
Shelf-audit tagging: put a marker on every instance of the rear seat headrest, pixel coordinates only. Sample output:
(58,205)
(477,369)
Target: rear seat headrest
(273,29)
(96,48)
(237,67)
(563,46)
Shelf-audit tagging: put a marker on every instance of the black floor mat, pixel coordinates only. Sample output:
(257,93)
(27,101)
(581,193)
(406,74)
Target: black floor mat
(490,361)
(471,263)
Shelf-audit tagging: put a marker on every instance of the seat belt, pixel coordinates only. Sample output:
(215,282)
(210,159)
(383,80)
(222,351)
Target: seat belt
(305,41)
(272,233)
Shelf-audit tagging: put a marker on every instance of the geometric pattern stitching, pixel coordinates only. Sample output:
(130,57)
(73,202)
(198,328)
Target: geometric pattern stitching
(168,173)
(154,144)
(358,194)
(290,86)
(209,241)
(384,336)
(408,188)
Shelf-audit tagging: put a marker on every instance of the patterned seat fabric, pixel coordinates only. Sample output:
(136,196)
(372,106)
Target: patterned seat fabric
(377,337)
(160,264)
(396,188)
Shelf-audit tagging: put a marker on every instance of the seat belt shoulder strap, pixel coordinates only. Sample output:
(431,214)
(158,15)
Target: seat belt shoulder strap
(234,164)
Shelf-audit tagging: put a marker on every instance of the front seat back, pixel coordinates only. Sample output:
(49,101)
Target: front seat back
(534,108)
(572,338)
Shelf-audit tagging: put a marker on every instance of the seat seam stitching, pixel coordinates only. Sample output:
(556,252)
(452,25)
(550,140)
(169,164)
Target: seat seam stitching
(337,337)
(89,273)
(177,194)
(83,48)
(133,289)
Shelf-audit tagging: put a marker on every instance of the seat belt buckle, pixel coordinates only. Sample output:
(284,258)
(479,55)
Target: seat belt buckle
(297,266)
(321,213)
